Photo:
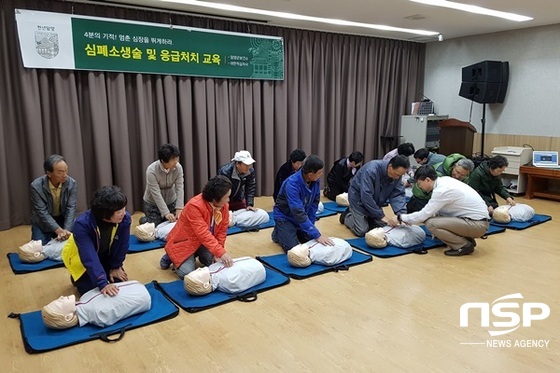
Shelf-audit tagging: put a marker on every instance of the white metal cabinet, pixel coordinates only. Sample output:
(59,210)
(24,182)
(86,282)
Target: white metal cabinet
(421,130)
(515,182)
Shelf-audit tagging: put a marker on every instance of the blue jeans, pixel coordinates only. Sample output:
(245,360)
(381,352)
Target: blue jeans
(288,235)
(204,256)
(38,234)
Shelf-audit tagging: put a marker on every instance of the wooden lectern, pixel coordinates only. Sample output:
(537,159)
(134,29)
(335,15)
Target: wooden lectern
(456,136)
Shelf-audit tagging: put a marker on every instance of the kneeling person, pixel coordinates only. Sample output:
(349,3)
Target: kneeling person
(461,212)
(241,174)
(201,229)
(95,252)
(295,210)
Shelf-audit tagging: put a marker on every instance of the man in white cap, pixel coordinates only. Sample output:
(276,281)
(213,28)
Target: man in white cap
(241,173)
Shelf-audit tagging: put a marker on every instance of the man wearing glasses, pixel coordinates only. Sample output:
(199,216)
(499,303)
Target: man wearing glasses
(373,185)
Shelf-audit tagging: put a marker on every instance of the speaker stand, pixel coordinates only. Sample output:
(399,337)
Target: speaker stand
(483,120)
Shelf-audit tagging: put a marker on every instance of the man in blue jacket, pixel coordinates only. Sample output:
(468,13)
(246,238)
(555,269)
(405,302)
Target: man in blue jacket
(95,253)
(374,184)
(296,207)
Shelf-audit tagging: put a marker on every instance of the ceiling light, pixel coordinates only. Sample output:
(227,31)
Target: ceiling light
(299,17)
(475,9)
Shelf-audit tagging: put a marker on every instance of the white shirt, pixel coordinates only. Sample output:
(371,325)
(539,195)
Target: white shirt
(450,197)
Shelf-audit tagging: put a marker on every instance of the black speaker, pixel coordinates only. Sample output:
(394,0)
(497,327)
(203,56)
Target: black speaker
(486,71)
(483,92)
(485,82)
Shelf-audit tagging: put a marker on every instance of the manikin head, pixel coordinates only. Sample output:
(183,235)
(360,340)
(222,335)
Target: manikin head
(198,282)
(376,238)
(342,199)
(298,256)
(145,232)
(501,214)
(31,252)
(60,313)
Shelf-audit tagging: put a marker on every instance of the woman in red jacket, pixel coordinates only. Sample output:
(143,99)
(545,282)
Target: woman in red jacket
(201,229)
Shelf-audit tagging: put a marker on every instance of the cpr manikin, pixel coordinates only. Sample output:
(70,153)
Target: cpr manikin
(518,213)
(148,232)
(245,273)
(145,232)
(403,236)
(97,309)
(247,218)
(304,254)
(34,251)
(342,199)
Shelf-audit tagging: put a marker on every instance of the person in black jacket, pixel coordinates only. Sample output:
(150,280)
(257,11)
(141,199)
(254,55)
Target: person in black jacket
(287,169)
(241,173)
(342,171)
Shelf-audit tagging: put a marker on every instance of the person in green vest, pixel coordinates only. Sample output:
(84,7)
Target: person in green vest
(487,182)
(455,165)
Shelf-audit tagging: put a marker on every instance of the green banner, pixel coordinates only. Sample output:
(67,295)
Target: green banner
(114,45)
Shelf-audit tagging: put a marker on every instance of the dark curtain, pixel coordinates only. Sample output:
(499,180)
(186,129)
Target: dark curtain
(340,93)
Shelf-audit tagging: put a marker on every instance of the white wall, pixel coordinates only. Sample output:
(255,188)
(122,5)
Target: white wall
(532,103)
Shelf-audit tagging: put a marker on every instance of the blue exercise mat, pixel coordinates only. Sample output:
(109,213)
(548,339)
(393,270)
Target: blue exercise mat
(325,213)
(536,219)
(19,267)
(392,251)
(430,242)
(235,230)
(280,263)
(333,206)
(493,230)
(136,246)
(38,338)
(191,303)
